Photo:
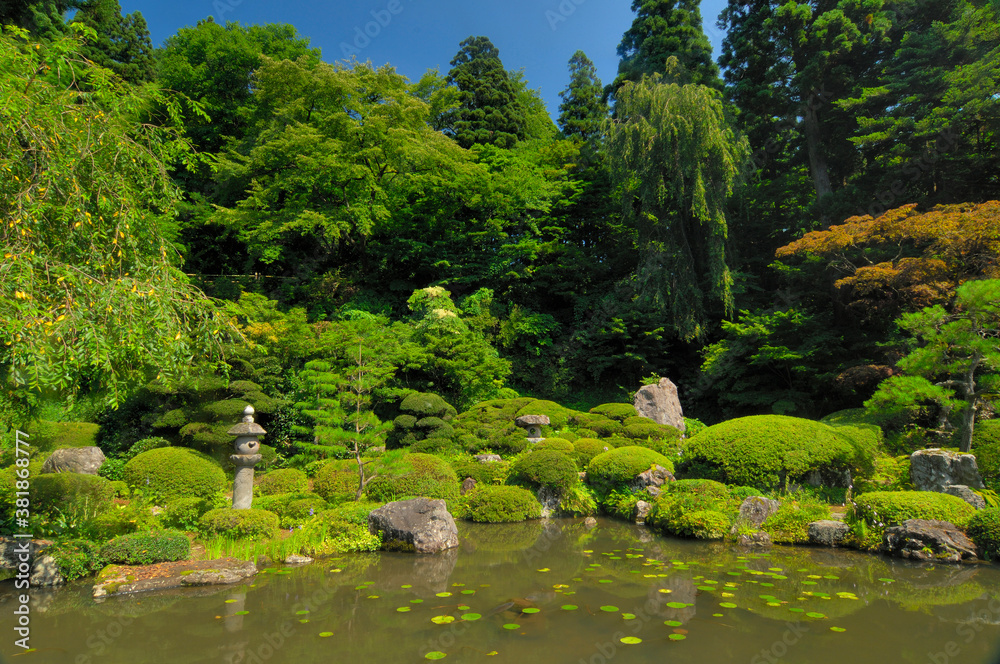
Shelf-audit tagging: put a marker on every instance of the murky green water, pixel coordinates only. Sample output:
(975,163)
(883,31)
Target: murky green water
(584,592)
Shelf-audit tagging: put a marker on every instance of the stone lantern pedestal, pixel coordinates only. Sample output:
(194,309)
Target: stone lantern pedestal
(532,425)
(247,456)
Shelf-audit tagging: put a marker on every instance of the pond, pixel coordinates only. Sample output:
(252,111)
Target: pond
(547,592)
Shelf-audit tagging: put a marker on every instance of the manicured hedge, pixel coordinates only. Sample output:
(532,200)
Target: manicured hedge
(174,472)
(585,449)
(501,504)
(185,513)
(412,475)
(144,445)
(147,548)
(337,480)
(557,444)
(615,411)
(889,508)
(283,480)
(47,436)
(548,468)
(492,473)
(251,523)
(616,468)
(75,494)
(764,450)
(984,529)
(986,447)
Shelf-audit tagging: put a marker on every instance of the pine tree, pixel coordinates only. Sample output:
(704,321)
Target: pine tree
(488,112)
(582,109)
(122,45)
(663,29)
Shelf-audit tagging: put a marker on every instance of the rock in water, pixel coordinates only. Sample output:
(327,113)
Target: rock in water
(86,460)
(828,532)
(934,469)
(423,525)
(660,403)
(924,539)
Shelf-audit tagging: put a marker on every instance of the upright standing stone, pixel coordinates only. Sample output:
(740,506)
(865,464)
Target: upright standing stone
(247,456)
(660,403)
(935,469)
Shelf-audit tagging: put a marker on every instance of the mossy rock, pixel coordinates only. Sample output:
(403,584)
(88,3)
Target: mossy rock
(501,504)
(882,509)
(545,468)
(337,480)
(764,451)
(427,404)
(72,494)
(174,472)
(147,548)
(984,529)
(240,524)
(585,449)
(615,411)
(412,475)
(283,480)
(558,444)
(46,436)
(617,468)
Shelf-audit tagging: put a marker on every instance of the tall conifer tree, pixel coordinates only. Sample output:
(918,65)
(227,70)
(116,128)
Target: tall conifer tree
(583,109)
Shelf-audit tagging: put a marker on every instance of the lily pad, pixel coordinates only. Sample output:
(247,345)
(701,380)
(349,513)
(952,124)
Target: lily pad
(569,607)
(442,620)
(609,608)
(530,610)
(631,640)
(435,654)
(471,616)
(326,634)
(837,629)
(727,605)
(403,609)
(676,637)
(672,623)
(511,626)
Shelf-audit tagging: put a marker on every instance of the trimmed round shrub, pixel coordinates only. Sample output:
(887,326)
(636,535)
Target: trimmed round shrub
(790,524)
(501,504)
(174,472)
(566,434)
(412,475)
(337,480)
(651,430)
(185,513)
(764,450)
(585,449)
(558,415)
(436,444)
(283,480)
(703,524)
(243,524)
(293,509)
(547,468)
(986,447)
(492,473)
(891,508)
(427,404)
(268,457)
(615,411)
(984,529)
(618,467)
(147,548)
(434,426)
(145,445)
(70,493)
(605,427)
(557,444)
(702,488)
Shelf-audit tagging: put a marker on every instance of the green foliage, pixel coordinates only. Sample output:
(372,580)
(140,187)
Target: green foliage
(578,500)
(185,513)
(984,529)
(174,472)
(692,508)
(585,449)
(702,524)
(145,445)
(765,451)
(650,430)
(986,447)
(583,108)
(122,43)
(284,480)
(558,415)
(881,509)
(412,475)
(48,436)
(557,444)
(492,473)
(74,495)
(546,468)
(146,548)
(701,487)
(790,524)
(693,426)
(888,474)
(501,504)
(76,558)
(113,469)
(250,523)
(293,509)
(342,530)
(616,468)
(427,404)
(337,480)
(615,411)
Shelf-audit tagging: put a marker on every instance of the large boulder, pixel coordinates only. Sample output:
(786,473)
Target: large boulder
(660,403)
(934,469)
(755,510)
(924,539)
(86,460)
(966,494)
(423,525)
(828,532)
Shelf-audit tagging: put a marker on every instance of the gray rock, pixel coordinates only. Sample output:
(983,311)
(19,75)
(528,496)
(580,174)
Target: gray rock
(45,572)
(549,498)
(589,522)
(924,539)
(296,559)
(12,549)
(828,532)
(837,477)
(966,494)
(656,476)
(423,525)
(642,510)
(934,469)
(468,484)
(526,421)
(488,458)
(219,577)
(654,491)
(660,403)
(756,538)
(86,460)
(755,510)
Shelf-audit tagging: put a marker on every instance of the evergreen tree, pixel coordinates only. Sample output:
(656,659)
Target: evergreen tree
(122,43)
(663,29)
(489,111)
(583,108)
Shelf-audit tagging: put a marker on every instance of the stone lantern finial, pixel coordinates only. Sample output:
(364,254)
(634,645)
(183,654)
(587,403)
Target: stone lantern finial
(247,447)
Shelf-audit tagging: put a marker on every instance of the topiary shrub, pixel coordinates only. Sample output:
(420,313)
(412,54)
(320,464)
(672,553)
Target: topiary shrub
(337,480)
(765,451)
(882,509)
(174,472)
(428,404)
(284,480)
(790,524)
(71,494)
(702,487)
(585,449)
(147,548)
(501,504)
(703,524)
(293,509)
(615,411)
(145,445)
(558,415)
(616,468)
(650,430)
(47,436)
(557,444)
(492,473)
(415,474)
(984,529)
(605,427)
(986,447)
(437,444)
(185,513)
(547,468)
(252,523)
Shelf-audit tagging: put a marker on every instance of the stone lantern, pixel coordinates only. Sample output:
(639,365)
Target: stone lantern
(532,424)
(247,456)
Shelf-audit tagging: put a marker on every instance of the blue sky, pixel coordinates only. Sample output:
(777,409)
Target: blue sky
(538,36)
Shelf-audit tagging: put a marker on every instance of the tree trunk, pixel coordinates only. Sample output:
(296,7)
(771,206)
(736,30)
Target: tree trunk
(818,168)
(968,422)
